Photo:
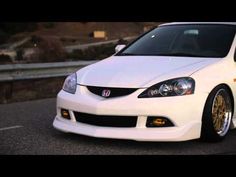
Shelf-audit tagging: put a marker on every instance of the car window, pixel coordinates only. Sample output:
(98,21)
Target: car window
(184,40)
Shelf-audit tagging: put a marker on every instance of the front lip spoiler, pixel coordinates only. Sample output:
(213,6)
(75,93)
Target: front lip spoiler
(184,133)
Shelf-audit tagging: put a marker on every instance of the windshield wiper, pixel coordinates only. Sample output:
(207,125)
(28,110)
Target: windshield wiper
(128,54)
(181,54)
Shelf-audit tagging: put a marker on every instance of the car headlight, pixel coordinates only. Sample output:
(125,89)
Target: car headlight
(173,87)
(70,83)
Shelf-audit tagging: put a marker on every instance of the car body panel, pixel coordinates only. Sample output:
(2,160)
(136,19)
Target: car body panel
(142,72)
(138,71)
(187,119)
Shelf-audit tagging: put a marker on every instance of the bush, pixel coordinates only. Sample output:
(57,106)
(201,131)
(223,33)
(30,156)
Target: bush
(8,29)
(19,54)
(122,41)
(3,37)
(49,25)
(93,53)
(48,49)
(13,28)
(35,39)
(5,59)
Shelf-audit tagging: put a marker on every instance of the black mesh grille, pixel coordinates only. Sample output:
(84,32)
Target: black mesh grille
(114,92)
(106,121)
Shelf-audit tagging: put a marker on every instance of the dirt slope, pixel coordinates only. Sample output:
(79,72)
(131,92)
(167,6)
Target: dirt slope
(78,32)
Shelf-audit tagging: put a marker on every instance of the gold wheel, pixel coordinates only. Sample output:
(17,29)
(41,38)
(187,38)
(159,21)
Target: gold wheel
(221,112)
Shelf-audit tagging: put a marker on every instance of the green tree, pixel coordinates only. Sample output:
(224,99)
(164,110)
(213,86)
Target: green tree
(8,29)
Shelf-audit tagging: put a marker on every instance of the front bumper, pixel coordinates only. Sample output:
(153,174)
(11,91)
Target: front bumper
(184,111)
(187,132)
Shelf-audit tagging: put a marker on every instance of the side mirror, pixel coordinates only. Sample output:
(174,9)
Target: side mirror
(119,47)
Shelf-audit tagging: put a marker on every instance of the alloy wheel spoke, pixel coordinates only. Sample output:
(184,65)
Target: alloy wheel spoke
(221,113)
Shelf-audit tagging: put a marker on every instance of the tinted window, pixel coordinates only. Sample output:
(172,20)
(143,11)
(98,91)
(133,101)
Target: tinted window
(185,40)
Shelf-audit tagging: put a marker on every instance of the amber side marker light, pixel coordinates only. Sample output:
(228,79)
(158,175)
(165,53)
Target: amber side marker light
(65,113)
(158,122)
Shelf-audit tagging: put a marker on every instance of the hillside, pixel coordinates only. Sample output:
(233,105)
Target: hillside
(79,32)
(63,41)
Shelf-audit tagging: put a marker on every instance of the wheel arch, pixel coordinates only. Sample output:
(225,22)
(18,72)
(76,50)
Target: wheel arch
(207,131)
(230,93)
(231,96)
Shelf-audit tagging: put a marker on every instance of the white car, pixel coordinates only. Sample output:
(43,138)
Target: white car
(174,83)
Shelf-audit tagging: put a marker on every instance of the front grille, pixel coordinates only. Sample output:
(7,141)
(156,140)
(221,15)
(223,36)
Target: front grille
(113,92)
(106,121)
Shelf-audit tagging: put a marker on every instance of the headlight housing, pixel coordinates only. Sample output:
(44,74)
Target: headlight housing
(173,87)
(70,83)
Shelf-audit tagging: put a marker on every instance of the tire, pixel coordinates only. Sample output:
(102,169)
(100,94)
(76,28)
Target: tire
(217,115)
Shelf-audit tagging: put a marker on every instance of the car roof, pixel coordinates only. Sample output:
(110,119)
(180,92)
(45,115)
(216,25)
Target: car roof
(193,23)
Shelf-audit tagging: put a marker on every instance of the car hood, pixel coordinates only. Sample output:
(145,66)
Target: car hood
(139,71)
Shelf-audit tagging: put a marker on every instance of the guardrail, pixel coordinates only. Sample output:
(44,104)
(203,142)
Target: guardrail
(13,72)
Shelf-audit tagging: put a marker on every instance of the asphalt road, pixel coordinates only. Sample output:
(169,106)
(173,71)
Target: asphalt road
(26,128)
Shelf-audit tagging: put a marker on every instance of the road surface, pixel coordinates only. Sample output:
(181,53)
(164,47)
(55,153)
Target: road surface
(26,128)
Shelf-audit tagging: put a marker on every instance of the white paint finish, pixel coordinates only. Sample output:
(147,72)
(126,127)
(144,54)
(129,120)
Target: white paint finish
(131,106)
(137,71)
(183,133)
(141,72)
(141,122)
(9,128)
(119,47)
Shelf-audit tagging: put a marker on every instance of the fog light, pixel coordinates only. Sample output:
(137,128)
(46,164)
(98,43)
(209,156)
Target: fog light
(65,113)
(158,122)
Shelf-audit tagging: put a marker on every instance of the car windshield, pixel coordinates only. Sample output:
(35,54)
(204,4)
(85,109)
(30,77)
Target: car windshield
(184,40)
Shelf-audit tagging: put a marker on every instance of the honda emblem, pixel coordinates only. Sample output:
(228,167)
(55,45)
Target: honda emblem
(106,93)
